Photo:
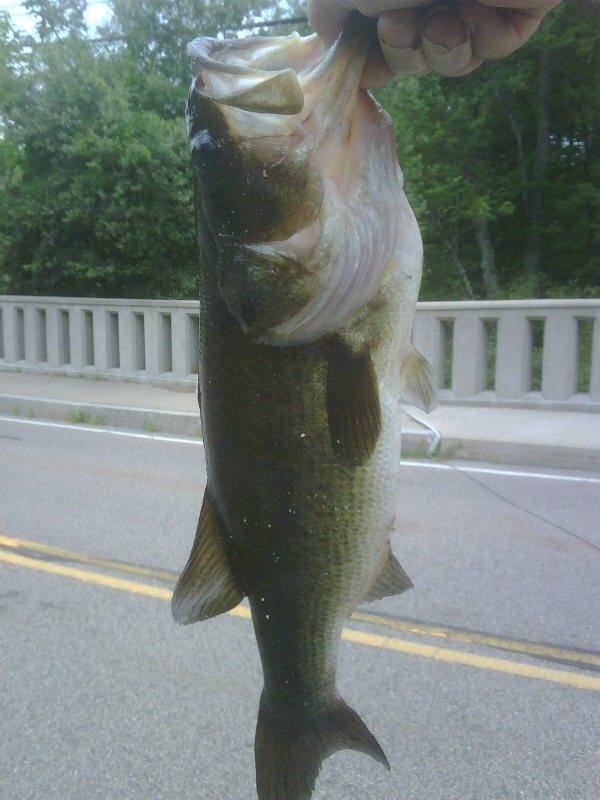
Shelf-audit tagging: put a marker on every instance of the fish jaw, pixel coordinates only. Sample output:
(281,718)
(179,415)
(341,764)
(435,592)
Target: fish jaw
(295,163)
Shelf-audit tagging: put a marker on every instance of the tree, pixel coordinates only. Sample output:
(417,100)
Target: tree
(94,163)
(503,164)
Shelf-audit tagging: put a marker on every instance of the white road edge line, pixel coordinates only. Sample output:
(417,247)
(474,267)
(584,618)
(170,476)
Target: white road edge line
(405,463)
(158,437)
(510,473)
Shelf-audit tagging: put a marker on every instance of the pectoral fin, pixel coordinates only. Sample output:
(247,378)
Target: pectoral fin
(262,287)
(418,384)
(206,586)
(391,580)
(353,409)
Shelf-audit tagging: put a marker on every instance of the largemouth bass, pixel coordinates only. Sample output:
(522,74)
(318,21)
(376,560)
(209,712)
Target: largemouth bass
(310,268)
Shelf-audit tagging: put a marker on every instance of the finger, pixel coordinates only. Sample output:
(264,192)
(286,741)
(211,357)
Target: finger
(498,31)
(415,41)
(533,8)
(326,17)
(400,38)
(446,41)
(454,40)
(376,71)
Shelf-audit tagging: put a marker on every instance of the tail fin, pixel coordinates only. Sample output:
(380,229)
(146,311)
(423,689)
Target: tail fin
(289,751)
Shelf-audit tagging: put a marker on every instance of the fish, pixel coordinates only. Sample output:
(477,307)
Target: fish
(310,265)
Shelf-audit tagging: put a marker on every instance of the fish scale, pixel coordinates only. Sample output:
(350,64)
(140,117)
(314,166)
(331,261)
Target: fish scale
(301,428)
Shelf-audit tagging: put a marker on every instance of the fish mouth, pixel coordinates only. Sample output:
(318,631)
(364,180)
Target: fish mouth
(275,74)
(223,74)
(295,159)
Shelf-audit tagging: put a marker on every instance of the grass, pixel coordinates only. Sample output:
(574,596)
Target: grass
(83,418)
(445,454)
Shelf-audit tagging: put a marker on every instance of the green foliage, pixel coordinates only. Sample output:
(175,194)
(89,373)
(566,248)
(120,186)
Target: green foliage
(502,166)
(95,183)
(55,17)
(97,189)
(156,32)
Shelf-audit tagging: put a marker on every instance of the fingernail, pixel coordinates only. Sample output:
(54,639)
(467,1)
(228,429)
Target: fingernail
(444,29)
(396,36)
(407,60)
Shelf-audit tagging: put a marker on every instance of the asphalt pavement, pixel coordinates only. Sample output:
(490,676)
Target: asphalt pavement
(525,436)
(481,683)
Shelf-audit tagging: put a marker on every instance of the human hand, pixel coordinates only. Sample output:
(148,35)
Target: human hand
(418,36)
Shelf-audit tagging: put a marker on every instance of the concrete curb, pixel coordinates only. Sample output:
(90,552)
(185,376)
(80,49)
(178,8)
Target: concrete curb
(415,443)
(524,454)
(145,419)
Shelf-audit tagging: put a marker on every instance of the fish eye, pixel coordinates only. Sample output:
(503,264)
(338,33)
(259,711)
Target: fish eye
(205,152)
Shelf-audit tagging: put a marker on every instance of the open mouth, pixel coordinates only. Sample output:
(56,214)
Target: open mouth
(296,161)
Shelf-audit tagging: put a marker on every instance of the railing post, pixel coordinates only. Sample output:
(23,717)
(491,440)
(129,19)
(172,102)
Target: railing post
(52,336)
(8,323)
(29,333)
(151,320)
(559,365)
(179,340)
(2,333)
(192,336)
(100,324)
(595,376)
(513,355)
(77,343)
(127,340)
(469,361)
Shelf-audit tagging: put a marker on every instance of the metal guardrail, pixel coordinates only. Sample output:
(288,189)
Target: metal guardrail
(522,353)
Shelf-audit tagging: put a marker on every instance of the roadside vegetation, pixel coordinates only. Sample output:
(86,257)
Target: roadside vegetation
(502,166)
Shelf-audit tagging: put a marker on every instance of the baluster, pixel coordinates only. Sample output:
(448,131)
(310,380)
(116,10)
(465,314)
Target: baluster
(513,355)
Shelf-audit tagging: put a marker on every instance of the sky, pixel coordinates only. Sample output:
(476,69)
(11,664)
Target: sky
(97,13)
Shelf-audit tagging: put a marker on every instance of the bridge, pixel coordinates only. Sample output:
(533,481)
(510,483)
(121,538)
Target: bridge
(480,679)
(519,353)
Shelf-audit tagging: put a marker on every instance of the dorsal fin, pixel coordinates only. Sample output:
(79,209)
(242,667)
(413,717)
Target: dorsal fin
(418,385)
(206,586)
(353,409)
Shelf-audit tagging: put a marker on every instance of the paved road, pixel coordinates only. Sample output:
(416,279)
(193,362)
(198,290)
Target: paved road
(479,682)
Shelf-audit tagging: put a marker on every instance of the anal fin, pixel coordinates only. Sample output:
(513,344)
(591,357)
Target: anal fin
(391,580)
(353,409)
(206,586)
(418,385)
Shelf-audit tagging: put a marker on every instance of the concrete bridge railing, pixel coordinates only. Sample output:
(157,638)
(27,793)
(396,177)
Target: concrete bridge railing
(523,353)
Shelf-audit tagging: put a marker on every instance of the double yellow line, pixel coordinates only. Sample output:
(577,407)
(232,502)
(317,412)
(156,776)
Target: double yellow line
(582,659)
